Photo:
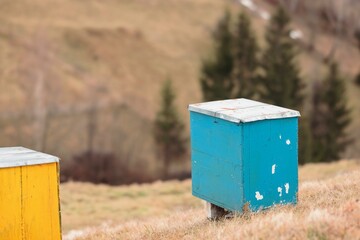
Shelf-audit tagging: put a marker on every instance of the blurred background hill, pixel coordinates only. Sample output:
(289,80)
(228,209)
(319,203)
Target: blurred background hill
(84,77)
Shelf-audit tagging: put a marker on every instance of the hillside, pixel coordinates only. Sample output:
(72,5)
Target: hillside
(106,54)
(328,208)
(101,54)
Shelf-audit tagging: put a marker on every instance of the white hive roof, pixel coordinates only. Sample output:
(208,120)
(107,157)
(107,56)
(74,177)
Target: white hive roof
(242,110)
(19,156)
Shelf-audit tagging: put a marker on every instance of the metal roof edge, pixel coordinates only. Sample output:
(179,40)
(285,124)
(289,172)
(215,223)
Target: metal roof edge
(20,156)
(289,113)
(275,116)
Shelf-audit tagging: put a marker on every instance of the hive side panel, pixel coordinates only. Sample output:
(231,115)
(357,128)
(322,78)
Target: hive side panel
(271,162)
(216,161)
(41,219)
(10,203)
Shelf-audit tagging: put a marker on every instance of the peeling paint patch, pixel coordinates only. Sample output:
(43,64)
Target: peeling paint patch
(273,168)
(287,186)
(288,142)
(280,191)
(258,196)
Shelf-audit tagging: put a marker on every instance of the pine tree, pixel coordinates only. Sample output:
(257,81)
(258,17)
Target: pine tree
(216,73)
(338,115)
(357,36)
(318,126)
(281,82)
(330,117)
(306,142)
(245,59)
(169,129)
(357,79)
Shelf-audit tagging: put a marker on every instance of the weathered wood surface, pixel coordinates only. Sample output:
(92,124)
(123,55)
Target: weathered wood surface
(242,110)
(20,156)
(238,165)
(214,212)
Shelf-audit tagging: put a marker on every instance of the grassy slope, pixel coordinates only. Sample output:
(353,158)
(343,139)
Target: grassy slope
(127,47)
(329,207)
(136,42)
(124,46)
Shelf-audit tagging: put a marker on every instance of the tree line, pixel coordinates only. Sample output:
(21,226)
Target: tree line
(238,68)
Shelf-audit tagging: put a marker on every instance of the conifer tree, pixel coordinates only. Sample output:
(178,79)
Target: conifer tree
(305,140)
(216,73)
(171,143)
(337,116)
(330,117)
(318,115)
(245,58)
(281,83)
(357,79)
(357,36)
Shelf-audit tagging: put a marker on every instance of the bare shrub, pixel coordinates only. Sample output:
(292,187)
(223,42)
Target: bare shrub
(100,167)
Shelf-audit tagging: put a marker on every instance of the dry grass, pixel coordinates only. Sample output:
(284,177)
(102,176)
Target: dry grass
(85,204)
(328,208)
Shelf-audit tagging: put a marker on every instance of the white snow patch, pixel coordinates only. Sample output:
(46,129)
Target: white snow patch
(273,168)
(287,186)
(296,34)
(280,191)
(253,7)
(249,4)
(258,196)
(288,142)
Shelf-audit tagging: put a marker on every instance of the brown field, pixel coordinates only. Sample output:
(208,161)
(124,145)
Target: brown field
(328,208)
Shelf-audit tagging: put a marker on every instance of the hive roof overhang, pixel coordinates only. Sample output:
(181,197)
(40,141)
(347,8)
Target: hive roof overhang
(242,110)
(20,156)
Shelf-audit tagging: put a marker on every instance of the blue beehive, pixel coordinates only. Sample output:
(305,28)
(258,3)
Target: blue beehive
(244,154)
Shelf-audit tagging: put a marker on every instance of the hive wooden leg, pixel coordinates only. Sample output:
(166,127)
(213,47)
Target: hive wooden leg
(214,212)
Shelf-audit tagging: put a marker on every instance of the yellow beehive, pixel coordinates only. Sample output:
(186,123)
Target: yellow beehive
(29,195)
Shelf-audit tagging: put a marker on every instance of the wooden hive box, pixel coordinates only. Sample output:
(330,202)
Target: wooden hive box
(244,154)
(29,195)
